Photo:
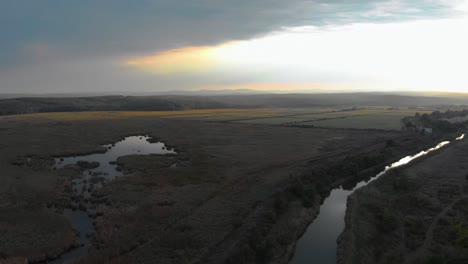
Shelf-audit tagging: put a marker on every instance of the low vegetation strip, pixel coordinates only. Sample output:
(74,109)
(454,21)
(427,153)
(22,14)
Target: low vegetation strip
(187,114)
(368,119)
(313,117)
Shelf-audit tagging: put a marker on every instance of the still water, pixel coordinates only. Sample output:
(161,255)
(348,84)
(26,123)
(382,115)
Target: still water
(106,170)
(82,223)
(128,146)
(318,245)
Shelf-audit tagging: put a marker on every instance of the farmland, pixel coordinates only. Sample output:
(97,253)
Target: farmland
(378,119)
(308,117)
(211,114)
(354,119)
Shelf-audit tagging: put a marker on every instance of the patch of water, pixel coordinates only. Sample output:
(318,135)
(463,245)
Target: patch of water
(106,167)
(134,145)
(82,223)
(319,242)
(97,169)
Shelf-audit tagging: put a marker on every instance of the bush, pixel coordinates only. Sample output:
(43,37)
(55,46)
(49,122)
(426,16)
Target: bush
(435,260)
(462,235)
(402,183)
(387,221)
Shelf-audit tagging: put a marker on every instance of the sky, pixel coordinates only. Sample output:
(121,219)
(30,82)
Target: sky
(134,46)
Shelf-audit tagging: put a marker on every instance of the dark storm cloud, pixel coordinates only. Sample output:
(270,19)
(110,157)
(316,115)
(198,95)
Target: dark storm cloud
(38,29)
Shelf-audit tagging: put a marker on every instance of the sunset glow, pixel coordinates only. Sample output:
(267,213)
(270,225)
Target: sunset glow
(422,55)
(154,46)
(184,60)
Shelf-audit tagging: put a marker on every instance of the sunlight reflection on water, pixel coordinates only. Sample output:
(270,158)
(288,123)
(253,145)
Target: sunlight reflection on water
(319,242)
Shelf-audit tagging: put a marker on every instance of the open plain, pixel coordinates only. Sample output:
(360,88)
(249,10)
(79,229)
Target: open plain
(233,193)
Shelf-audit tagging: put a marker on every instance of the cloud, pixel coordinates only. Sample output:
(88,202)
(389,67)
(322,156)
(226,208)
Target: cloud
(184,60)
(42,38)
(89,27)
(426,54)
(393,8)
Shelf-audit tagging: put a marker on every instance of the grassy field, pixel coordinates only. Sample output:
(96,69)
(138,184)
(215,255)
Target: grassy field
(357,119)
(210,114)
(391,122)
(369,119)
(319,117)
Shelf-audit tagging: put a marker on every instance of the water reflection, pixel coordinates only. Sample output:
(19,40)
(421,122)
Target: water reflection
(319,242)
(128,146)
(82,223)
(96,169)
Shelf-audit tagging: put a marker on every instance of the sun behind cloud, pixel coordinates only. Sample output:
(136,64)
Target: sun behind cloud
(423,55)
(182,60)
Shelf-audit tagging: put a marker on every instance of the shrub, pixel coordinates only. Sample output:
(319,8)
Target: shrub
(387,221)
(435,260)
(462,235)
(402,183)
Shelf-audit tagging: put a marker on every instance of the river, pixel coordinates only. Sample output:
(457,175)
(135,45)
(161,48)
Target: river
(319,242)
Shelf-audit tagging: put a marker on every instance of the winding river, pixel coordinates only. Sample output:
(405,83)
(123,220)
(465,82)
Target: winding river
(319,242)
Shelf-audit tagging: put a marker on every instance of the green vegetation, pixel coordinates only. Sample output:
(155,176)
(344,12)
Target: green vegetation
(462,235)
(365,119)
(311,117)
(354,119)
(387,221)
(435,260)
(210,114)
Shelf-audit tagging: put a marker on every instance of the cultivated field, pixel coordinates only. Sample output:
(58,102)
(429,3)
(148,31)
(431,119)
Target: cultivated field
(373,119)
(355,119)
(314,117)
(188,114)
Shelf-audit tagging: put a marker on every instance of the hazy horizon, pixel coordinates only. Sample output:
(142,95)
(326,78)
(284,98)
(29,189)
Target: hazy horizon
(232,92)
(299,46)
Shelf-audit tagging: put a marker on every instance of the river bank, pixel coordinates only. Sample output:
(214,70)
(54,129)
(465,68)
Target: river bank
(319,241)
(415,214)
(298,201)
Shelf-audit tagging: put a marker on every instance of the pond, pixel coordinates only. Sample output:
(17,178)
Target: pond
(97,169)
(319,242)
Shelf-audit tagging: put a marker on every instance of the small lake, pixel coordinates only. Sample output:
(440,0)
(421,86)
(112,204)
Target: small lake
(134,145)
(102,166)
(319,242)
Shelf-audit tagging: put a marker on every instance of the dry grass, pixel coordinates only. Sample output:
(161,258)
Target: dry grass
(368,119)
(359,119)
(354,119)
(189,114)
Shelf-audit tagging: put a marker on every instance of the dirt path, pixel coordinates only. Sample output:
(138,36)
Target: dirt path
(422,251)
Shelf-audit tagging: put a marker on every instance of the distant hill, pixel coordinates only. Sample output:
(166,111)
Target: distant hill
(103,103)
(186,102)
(337,100)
